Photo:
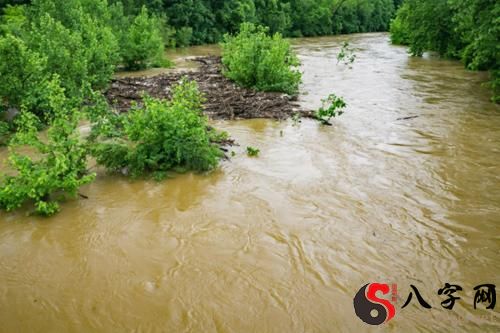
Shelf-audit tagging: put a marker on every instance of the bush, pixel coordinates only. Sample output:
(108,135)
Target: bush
(52,167)
(256,60)
(162,135)
(346,55)
(63,50)
(143,44)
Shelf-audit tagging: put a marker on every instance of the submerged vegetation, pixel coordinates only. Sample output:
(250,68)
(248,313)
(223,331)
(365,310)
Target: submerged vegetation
(45,170)
(252,151)
(331,107)
(463,29)
(346,55)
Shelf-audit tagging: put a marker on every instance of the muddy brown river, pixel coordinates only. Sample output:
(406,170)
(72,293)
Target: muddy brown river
(283,242)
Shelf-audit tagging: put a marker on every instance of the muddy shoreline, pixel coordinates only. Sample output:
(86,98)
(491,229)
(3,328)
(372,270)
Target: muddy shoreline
(224,99)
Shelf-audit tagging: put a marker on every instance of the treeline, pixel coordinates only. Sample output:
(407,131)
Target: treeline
(206,21)
(463,29)
(187,22)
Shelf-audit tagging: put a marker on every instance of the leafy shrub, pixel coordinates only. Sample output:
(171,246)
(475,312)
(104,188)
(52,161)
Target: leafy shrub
(332,106)
(162,135)
(52,167)
(101,52)
(144,44)
(400,30)
(256,60)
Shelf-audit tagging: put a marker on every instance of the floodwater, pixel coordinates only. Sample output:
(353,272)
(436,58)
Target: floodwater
(283,242)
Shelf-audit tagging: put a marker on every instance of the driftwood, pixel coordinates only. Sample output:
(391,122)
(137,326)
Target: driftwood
(408,118)
(224,99)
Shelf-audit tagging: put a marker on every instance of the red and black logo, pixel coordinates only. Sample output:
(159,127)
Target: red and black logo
(372,309)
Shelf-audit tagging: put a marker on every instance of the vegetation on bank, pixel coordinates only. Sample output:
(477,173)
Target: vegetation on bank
(463,29)
(150,140)
(207,21)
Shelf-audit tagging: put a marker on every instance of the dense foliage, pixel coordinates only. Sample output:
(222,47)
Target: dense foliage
(23,74)
(207,21)
(464,29)
(82,41)
(143,43)
(161,135)
(256,60)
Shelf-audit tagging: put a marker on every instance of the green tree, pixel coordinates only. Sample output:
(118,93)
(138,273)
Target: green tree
(77,40)
(229,15)
(194,14)
(63,50)
(5,3)
(23,74)
(13,21)
(274,14)
(144,44)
